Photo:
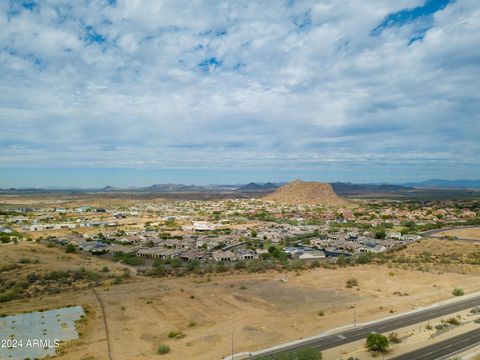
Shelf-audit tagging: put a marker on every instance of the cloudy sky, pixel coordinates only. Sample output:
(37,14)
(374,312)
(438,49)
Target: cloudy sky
(138,92)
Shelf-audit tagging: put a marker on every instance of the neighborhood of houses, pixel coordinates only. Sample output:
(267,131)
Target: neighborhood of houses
(228,230)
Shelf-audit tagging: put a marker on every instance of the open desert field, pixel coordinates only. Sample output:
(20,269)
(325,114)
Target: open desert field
(77,199)
(435,255)
(260,310)
(472,233)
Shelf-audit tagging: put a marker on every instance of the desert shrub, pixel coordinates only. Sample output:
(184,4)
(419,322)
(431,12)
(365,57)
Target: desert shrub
(394,338)
(129,259)
(176,335)
(8,267)
(70,249)
(134,260)
(240,265)
(158,271)
(364,258)
(256,265)
(458,292)
(220,267)
(351,283)
(297,265)
(163,349)
(453,321)
(31,277)
(192,323)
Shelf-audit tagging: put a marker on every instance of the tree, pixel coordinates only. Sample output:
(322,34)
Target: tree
(377,342)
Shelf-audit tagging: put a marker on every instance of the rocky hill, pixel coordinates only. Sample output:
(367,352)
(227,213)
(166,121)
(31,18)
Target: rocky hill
(306,193)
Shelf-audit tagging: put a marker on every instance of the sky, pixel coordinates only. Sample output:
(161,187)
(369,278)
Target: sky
(131,93)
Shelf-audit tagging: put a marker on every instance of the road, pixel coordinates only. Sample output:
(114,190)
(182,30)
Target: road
(444,348)
(361,332)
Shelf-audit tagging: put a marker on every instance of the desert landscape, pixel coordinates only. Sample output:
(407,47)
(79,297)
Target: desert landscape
(260,310)
(239,180)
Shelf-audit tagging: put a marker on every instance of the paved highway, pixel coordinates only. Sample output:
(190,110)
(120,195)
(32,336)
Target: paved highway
(444,348)
(361,332)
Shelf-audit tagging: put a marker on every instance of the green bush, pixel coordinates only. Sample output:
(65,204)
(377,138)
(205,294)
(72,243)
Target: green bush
(176,335)
(458,292)
(163,349)
(377,342)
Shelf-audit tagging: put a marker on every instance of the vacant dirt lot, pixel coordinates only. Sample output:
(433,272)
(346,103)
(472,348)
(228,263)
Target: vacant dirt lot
(260,309)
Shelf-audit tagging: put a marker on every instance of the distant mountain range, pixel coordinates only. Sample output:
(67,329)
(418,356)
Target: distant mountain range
(259,186)
(341,188)
(195,188)
(445,184)
(173,188)
(350,188)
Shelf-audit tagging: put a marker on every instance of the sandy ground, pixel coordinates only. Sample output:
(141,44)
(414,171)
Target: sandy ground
(261,310)
(466,233)
(42,258)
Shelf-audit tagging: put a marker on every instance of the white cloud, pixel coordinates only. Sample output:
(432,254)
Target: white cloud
(274,93)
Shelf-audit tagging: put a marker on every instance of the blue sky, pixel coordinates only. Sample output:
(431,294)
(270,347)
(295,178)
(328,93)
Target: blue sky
(136,92)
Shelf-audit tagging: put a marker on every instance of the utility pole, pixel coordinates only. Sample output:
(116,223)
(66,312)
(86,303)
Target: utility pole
(232,345)
(354,315)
